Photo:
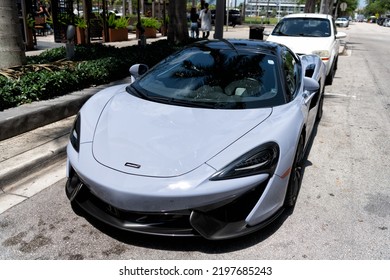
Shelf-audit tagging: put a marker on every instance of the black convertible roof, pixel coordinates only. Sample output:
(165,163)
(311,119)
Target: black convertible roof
(240,44)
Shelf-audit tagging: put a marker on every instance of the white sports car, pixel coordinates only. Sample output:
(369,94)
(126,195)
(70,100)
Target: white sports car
(208,142)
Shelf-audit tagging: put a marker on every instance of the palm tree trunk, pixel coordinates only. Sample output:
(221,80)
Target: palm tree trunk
(326,7)
(310,6)
(11,42)
(177,29)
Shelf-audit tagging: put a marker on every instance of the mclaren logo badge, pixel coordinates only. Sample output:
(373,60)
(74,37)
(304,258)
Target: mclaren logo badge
(132,165)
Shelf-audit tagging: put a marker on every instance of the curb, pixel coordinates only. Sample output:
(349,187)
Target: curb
(27,163)
(26,118)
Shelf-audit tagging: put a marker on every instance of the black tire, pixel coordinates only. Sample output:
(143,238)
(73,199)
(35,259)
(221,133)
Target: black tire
(320,108)
(332,73)
(295,179)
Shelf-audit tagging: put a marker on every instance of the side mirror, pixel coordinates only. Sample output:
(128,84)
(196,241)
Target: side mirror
(310,85)
(137,70)
(310,88)
(266,33)
(341,35)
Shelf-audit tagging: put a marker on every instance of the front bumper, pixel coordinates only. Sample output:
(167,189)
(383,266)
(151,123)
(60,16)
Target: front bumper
(219,220)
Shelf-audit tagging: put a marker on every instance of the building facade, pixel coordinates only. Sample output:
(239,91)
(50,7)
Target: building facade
(274,7)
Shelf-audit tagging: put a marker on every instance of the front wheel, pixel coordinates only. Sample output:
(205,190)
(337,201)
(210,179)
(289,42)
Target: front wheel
(295,180)
(320,108)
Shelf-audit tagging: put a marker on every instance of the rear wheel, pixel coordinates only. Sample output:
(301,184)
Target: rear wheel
(332,73)
(295,180)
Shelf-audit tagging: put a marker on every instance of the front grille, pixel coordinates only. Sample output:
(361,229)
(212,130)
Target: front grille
(177,219)
(158,223)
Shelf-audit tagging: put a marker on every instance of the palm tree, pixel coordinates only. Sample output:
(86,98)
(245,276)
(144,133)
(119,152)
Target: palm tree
(310,6)
(177,28)
(11,42)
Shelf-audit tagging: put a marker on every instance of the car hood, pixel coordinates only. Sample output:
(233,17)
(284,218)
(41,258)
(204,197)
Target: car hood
(145,138)
(303,45)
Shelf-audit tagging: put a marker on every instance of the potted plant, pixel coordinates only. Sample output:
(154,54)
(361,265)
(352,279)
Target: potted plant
(81,25)
(110,21)
(150,25)
(117,28)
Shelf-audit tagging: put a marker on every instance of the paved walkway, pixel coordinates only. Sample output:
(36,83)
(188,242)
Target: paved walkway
(47,42)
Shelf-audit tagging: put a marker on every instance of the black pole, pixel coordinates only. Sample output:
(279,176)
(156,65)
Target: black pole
(105,29)
(140,29)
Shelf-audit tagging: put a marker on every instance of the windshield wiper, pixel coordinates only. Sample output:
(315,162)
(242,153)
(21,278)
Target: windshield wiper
(132,90)
(280,33)
(189,103)
(173,101)
(306,35)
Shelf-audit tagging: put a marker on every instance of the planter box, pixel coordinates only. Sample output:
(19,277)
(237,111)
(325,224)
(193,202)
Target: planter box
(150,32)
(116,35)
(80,36)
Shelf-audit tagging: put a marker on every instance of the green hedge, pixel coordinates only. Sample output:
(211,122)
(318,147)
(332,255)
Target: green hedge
(95,64)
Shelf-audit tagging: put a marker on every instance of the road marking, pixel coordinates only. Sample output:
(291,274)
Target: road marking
(330,94)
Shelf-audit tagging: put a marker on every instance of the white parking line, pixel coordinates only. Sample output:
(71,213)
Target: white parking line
(330,94)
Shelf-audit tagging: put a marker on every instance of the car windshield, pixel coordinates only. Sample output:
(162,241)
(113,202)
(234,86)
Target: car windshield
(213,78)
(306,27)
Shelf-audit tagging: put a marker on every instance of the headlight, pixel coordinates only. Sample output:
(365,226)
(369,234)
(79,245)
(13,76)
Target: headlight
(262,159)
(324,54)
(75,133)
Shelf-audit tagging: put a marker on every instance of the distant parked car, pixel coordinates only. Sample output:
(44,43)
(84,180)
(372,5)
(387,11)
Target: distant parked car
(342,22)
(372,19)
(234,17)
(386,22)
(380,21)
(310,34)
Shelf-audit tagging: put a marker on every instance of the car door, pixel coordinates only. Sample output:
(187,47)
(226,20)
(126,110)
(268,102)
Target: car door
(293,79)
(335,44)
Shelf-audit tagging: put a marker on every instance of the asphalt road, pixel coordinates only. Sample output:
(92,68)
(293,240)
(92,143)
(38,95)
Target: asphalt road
(342,210)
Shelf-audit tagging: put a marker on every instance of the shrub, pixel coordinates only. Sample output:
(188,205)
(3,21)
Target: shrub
(150,22)
(80,22)
(48,56)
(121,22)
(93,64)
